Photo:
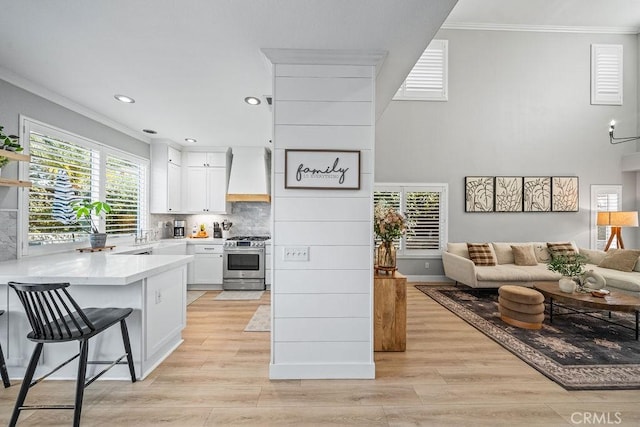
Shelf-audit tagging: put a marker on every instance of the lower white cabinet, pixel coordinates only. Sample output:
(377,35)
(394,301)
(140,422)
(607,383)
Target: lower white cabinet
(206,268)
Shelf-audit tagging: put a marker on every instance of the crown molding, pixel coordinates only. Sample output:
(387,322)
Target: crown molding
(65,102)
(540,28)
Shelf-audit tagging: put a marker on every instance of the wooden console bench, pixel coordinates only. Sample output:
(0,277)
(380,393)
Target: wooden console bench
(389,312)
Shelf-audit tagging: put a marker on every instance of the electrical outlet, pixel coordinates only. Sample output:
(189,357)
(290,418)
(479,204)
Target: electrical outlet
(295,253)
(426,265)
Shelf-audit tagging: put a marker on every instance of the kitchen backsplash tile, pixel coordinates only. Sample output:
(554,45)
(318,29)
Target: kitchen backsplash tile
(8,235)
(248,218)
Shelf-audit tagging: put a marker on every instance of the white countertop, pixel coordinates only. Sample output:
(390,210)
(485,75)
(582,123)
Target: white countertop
(99,268)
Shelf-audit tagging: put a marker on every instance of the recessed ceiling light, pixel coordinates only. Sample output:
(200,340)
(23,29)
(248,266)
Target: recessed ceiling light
(252,100)
(190,140)
(124,98)
(151,131)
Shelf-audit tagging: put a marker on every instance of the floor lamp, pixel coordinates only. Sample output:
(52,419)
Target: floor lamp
(617,220)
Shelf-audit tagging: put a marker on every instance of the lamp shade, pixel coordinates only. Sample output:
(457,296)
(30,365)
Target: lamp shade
(618,219)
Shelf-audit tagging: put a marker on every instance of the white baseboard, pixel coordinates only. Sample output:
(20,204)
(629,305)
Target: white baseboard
(322,371)
(426,278)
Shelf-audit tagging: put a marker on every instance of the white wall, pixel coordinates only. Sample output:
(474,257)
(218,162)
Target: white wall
(15,101)
(322,309)
(519,104)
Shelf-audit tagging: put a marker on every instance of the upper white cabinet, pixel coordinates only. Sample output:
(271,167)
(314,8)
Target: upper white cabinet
(205,186)
(208,160)
(175,156)
(166,179)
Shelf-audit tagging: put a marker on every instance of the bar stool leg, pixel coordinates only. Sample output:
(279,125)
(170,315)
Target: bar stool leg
(82,371)
(127,348)
(3,370)
(26,383)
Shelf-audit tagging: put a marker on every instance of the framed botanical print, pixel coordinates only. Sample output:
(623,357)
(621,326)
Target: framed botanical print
(537,193)
(479,193)
(508,191)
(564,194)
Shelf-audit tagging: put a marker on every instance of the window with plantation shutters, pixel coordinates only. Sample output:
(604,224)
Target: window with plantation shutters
(125,186)
(604,198)
(428,79)
(425,206)
(61,172)
(66,168)
(606,74)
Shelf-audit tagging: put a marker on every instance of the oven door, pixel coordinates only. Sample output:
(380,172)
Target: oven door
(243,263)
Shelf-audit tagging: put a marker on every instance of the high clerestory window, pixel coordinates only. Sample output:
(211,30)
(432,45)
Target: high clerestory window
(425,205)
(428,80)
(65,168)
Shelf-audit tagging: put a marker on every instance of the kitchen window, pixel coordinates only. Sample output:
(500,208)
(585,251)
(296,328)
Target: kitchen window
(66,167)
(425,206)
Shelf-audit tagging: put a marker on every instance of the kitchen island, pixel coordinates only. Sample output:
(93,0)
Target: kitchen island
(153,285)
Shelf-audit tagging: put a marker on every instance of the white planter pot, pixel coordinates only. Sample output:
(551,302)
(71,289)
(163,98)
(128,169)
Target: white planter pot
(567,285)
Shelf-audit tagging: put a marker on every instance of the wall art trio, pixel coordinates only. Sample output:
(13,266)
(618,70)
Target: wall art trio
(521,194)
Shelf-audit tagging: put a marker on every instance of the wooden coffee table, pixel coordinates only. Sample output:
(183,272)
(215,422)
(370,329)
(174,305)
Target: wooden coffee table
(615,301)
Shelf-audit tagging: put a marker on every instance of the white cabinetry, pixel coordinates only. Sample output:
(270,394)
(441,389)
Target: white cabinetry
(166,179)
(205,182)
(205,272)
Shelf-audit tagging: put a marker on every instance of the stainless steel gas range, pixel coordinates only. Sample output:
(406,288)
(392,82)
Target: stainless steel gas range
(243,263)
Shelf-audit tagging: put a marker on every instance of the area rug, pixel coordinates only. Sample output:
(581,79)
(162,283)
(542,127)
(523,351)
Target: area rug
(261,320)
(239,295)
(193,295)
(576,351)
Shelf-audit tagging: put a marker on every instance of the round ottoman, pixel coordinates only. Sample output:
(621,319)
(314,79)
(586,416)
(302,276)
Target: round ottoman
(521,307)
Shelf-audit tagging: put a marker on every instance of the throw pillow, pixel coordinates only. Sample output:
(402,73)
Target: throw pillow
(620,259)
(481,254)
(524,255)
(593,256)
(561,248)
(504,254)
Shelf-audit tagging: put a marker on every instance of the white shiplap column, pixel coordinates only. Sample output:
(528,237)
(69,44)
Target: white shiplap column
(322,308)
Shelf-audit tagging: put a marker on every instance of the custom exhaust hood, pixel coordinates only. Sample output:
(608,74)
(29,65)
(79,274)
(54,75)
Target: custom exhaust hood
(250,176)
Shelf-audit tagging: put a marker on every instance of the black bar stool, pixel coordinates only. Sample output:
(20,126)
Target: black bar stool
(3,365)
(55,317)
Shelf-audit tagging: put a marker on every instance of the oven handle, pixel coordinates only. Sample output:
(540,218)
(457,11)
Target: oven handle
(245,250)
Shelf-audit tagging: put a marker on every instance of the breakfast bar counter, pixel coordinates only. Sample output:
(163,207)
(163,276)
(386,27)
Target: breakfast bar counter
(153,285)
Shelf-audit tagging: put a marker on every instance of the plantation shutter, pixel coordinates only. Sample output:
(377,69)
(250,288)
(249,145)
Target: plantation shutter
(391,198)
(423,210)
(606,74)
(425,206)
(606,201)
(61,172)
(125,184)
(428,78)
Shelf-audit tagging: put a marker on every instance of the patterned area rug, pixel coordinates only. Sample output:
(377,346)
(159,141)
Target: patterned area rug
(261,320)
(576,351)
(239,295)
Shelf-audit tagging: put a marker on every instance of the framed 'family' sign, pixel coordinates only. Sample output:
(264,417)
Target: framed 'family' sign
(322,169)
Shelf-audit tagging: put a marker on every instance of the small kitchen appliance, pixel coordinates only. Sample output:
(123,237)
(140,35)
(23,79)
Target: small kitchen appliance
(178,229)
(217,231)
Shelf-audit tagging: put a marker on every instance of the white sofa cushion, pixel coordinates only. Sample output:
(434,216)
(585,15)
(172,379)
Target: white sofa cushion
(503,251)
(515,273)
(459,249)
(628,281)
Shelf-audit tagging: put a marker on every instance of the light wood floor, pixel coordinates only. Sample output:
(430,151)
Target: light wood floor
(450,374)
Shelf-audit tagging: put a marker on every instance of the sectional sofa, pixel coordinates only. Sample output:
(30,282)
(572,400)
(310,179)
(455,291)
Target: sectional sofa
(459,267)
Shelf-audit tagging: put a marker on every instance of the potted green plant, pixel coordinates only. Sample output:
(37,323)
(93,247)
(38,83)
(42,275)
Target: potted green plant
(88,210)
(8,142)
(571,267)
